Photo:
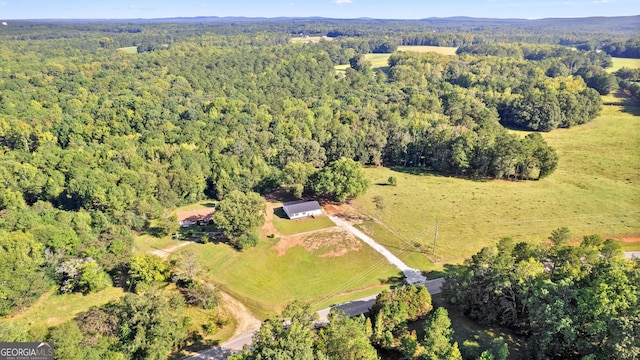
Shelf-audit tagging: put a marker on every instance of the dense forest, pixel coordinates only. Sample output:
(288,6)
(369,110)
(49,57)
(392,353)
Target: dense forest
(96,143)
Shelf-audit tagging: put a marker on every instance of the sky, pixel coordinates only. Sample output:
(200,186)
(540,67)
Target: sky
(380,9)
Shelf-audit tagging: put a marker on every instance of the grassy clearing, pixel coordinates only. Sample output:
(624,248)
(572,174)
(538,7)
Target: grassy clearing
(145,242)
(200,317)
(309,39)
(630,246)
(444,50)
(129,49)
(412,251)
(619,63)
(381,61)
(59,308)
(596,189)
(266,282)
(291,227)
(378,61)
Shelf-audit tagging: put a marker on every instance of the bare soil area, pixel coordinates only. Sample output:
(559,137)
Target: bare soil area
(345,211)
(629,239)
(246,321)
(325,243)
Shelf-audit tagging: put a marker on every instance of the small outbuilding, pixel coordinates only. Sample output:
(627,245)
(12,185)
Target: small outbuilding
(299,209)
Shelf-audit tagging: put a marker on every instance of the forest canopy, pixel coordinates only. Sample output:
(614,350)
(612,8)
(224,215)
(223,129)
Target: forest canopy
(97,143)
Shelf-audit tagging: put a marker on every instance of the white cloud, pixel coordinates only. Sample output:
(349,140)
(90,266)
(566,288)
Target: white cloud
(341,2)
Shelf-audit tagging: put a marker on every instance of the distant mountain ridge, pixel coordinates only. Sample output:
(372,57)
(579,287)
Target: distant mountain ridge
(635,19)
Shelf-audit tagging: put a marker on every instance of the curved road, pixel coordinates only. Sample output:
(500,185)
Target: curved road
(353,308)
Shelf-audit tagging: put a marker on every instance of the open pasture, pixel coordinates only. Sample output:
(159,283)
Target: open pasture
(54,309)
(619,63)
(129,49)
(595,190)
(444,50)
(309,39)
(265,281)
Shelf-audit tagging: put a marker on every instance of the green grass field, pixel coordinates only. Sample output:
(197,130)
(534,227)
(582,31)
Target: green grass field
(411,251)
(381,61)
(291,227)
(145,242)
(444,50)
(129,49)
(56,308)
(623,62)
(596,189)
(266,282)
(378,61)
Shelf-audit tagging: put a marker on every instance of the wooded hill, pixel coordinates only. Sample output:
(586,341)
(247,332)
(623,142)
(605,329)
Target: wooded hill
(96,143)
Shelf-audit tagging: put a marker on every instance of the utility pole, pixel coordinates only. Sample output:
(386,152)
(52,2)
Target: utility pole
(435,238)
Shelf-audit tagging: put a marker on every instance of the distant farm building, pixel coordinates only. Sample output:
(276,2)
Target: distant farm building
(195,217)
(299,209)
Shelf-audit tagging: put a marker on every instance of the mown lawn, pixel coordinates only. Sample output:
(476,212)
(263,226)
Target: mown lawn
(596,189)
(290,227)
(624,62)
(145,243)
(412,252)
(266,282)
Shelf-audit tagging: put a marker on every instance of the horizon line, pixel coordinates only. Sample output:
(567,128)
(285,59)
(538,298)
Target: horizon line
(315,18)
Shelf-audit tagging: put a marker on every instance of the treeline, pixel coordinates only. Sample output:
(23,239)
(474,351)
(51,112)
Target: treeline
(626,49)
(295,335)
(567,301)
(615,35)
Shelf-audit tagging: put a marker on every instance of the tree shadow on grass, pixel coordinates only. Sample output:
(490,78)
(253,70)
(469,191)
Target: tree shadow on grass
(199,344)
(280,195)
(629,105)
(394,281)
(422,171)
(155,231)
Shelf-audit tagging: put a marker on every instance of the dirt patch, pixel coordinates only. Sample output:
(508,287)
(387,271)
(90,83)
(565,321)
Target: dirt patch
(345,211)
(191,217)
(324,243)
(268,229)
(245,319)
(331,209)
(629,239)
